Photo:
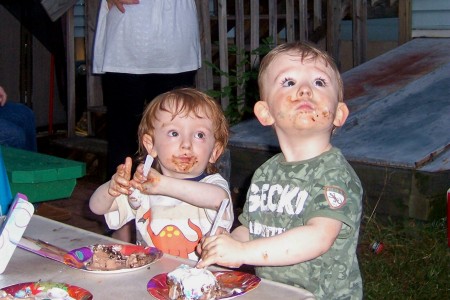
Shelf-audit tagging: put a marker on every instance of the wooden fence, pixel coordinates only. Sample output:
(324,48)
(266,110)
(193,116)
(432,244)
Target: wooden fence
(245,23)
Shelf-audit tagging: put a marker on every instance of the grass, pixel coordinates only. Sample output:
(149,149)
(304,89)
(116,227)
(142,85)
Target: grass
(414,264)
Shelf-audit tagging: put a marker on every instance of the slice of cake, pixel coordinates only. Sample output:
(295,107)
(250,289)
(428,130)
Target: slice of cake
(110,257)
(187,283)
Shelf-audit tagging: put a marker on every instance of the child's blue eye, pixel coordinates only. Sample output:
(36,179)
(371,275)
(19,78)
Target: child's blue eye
(173,133)
(320,82)
(286,82)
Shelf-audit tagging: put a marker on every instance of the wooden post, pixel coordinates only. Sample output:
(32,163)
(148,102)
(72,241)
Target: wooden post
(290,24)
(359,32)
(223,48)
(254,35)
(317,13)
(404,21)
(303,20)
(273,21)
(240,46)
(94,93)
(333,28)
(26,66)
(204,78)
(70,59)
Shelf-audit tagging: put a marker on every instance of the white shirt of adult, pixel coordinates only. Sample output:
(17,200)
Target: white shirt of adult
(154,36)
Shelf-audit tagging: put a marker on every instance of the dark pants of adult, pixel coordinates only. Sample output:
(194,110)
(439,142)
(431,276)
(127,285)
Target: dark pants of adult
(125,97)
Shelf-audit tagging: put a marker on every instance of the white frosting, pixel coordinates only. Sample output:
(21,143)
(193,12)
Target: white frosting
(54,294)
(192,280)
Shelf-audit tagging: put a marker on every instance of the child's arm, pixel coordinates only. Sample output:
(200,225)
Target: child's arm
(102,201)
(199,194)
(291,247)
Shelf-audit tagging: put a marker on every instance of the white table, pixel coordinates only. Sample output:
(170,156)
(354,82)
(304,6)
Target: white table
(25,266)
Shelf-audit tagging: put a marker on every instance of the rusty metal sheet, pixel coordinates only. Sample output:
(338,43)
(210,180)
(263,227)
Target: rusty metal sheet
(394,70)
(407,128)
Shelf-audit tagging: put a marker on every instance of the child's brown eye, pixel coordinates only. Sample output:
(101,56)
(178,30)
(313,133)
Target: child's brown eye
(287,82)
(200,135)
(173,133)
(320,82)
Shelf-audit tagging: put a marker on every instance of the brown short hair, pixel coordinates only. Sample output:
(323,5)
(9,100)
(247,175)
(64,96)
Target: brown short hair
(185,101)
(305,51)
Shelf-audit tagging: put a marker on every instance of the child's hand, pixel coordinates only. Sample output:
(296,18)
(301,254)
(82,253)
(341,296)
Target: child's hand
(220,230)
(136,197)
(120,181)
(220,249)
(151,182)
(138,176)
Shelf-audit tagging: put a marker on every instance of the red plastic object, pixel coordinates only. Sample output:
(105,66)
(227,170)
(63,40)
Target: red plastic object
(377,247)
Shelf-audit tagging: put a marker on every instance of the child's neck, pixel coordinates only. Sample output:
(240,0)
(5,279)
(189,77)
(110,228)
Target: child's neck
(299,152)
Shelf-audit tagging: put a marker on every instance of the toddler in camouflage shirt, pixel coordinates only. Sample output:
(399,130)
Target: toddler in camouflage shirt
(300,223)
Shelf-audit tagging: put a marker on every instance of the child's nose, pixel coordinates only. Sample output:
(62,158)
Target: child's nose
(186,143)
(304,90)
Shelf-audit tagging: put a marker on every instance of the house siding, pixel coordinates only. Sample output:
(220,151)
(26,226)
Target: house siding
(431,18)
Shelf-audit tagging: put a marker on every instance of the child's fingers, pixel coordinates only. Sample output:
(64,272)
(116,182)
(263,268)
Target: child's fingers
(221,230)
(139,175)
(115,189)
(140,168)
(120,171)
(127,169)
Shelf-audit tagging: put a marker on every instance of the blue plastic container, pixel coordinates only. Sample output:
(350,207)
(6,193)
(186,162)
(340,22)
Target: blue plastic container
(5,191)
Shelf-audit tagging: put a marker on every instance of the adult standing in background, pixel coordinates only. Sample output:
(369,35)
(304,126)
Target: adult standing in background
(142,48)
(17,124)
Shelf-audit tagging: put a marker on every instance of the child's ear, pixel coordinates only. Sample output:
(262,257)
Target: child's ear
(262,112)
(217,151)
(147,141)
(341,114)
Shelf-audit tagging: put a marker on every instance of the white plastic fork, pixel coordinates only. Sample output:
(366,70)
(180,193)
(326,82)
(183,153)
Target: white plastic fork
(218,218)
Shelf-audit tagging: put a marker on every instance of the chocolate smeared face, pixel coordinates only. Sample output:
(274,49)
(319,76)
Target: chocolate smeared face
(184,143)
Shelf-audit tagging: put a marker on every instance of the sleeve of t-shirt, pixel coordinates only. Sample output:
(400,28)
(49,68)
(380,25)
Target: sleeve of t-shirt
(227,220)
(338,197)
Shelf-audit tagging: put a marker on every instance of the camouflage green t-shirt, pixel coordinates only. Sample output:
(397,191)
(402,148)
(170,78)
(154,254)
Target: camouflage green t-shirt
(285,195)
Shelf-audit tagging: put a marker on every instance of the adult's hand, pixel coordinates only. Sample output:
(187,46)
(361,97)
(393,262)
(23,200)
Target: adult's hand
(3,96)
(120,3)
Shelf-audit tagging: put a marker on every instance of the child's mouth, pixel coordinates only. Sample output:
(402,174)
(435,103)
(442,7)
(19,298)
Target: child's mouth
(184,163)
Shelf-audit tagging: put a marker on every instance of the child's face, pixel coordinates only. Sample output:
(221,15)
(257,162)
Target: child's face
(184,145)
(299,95)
